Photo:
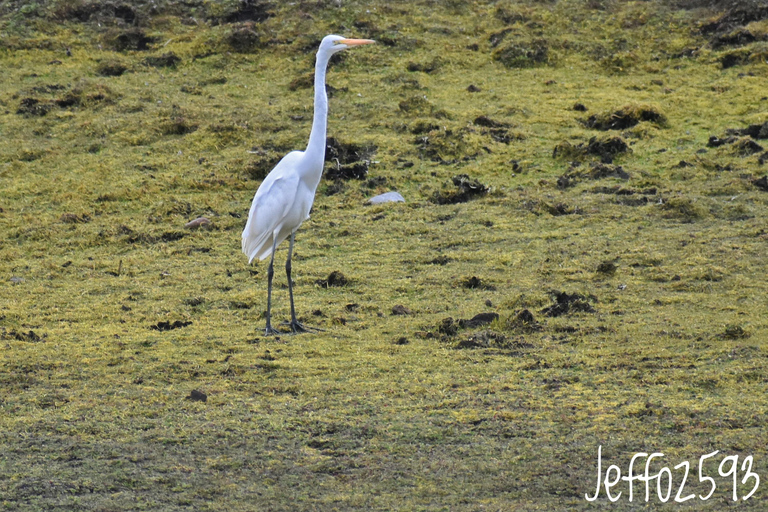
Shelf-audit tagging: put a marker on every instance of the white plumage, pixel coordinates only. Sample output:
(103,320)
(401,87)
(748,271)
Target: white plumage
(284,199)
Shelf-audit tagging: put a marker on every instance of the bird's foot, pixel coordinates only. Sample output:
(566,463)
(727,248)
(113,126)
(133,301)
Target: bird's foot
(270,331)
(297,327)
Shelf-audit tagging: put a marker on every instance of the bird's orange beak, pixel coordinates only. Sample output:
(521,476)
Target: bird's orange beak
(356,42)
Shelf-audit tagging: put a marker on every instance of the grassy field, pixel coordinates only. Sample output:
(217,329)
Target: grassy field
(589,176)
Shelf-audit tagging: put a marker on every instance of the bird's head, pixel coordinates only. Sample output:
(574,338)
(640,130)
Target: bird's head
(333,43)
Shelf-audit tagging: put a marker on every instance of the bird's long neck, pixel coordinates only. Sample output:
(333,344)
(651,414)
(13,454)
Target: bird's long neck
(316,146)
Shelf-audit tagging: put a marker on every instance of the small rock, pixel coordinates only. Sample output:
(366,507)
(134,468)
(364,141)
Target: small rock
(388,197)
(17,280)
(197,223)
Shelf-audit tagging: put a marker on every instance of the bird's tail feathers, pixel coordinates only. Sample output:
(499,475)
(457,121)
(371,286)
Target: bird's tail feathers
(259,248)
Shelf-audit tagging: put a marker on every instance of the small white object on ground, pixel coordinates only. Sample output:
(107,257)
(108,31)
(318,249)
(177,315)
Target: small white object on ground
(388,197)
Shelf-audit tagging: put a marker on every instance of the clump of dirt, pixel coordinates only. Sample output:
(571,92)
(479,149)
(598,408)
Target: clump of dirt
(166,60)
(247,10)
(761,183)
(33,107)
(605,149)
(445,146)
(244,38)
(727,29)
(111,67)
(475,283)
(746,147)
(347,160)
(626,117)
(400,310)
(489,123)
(734,332)
(259,168)
(478,320)
(418,106)
(169,326)
(73,218)
(131,39)
(735,58)
(426,67)
(522,54)
(484,339)
(177,124)
(448,327)
(30,336)
(683,209)
(197,396)
(466,189)
(524,322)
(347,153)
(566,304)
(497,130)
(756,131)
(355,171)
(334,279)
(607,268)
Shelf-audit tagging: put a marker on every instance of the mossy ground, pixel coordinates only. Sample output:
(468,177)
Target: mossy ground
(106,153)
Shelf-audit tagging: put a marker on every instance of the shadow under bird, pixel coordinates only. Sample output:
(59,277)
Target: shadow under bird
(284,199)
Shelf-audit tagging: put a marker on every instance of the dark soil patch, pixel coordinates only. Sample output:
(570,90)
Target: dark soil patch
(166,60)
(484,339)
(489,123)
(747,147)
(478,320)
(466,189)
(727,29)
(626,117)
(33,107)
(522,54)
(334,279)
(716,142)
(605,149)
(735,58)
(111,67)
(258,169)
(607,268)
(177,125)
(756,131)
(524,321)
(248,10)
(244,39)
(29,336)
(568,303)
(400,310)
(355,171)
(169,326)
(761,183)
(344,153)
(425,67)
(73,218)
(738,37)
(197,396)
(132,39)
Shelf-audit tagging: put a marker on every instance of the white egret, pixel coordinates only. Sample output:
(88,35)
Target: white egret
(285,197)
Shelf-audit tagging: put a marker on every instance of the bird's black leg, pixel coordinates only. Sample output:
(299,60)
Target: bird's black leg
(296,327)
(270,273)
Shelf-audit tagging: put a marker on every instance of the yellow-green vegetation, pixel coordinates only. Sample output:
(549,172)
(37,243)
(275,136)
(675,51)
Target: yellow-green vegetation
(589,175)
